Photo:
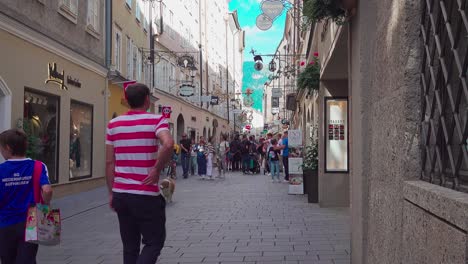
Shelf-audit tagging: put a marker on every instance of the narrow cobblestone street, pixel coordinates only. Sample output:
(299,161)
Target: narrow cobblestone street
(240,219)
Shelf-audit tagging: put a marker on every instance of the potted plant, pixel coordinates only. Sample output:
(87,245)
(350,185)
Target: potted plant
(309,79)
(310,168)
(318,10)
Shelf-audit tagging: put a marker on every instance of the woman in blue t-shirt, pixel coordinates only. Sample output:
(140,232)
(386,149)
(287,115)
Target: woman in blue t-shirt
(16,195)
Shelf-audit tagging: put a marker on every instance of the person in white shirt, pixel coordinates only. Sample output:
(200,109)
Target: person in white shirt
(223,151)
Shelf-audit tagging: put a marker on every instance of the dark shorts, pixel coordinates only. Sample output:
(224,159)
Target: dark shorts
(13,249)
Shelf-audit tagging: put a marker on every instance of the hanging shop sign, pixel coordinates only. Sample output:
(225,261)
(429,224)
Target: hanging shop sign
(272,8)
(276,92)
(166,111)
(186,90)
(294,138)
(248,101)
(54,76)
(336,143)
(237,111)
(275,102)
(264,22)
(214,100)
(275,110)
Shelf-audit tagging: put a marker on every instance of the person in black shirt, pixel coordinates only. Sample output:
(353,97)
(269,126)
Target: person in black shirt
(245,150)
(185,145)
(234,152)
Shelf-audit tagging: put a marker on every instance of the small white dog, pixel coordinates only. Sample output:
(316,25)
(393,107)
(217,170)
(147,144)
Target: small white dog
(167,187)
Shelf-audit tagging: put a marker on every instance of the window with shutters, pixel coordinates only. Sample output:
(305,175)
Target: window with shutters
(135,62)
(139,66)
(93,16)
(138,12)
(129,58)
(69,9)
(128,3)
(118,50)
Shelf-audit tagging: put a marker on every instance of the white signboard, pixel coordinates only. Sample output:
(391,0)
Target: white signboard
(294,138)
(186,90)
(276,92)
(275,110)
(236,111)
(336,147)
(296,179)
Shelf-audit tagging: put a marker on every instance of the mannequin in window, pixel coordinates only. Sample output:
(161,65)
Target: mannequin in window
(75,149)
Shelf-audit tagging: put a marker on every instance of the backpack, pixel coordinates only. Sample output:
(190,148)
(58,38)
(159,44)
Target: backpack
(272,153)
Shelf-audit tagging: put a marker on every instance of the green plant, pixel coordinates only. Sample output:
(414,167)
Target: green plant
(318,10)
(310,78)
(33,141)
(310,161)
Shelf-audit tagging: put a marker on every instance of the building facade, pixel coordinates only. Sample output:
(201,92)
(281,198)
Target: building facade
(53,82)
(195,30)
(389,76)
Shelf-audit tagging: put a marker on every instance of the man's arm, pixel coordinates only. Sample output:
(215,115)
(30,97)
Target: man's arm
(164,156)
(110,167)
(46,193)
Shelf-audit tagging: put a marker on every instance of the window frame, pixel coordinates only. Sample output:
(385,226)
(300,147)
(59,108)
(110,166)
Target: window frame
(118,61)
(93,20)
(69,9)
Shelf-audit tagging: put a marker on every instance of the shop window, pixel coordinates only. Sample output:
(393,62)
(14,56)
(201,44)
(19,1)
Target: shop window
(81,140)
(41,116)
(336,134)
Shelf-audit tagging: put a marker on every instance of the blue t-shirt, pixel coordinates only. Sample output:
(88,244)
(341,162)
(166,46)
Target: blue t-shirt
(286,148)
(16,189)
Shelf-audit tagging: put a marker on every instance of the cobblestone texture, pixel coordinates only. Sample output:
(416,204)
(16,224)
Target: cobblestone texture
(240,219)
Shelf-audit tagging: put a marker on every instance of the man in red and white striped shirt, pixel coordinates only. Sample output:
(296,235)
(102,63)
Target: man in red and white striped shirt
(133,165)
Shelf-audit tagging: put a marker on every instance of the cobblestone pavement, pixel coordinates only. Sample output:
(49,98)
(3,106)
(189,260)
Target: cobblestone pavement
(240,219)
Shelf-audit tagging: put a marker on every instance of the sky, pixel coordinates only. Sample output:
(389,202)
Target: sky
(263,42)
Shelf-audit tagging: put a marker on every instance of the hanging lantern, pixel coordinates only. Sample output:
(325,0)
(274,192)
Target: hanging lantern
(272,66)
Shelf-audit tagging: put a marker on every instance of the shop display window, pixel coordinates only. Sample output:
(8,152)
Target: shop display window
(81,140)
(336,134)
(41,117)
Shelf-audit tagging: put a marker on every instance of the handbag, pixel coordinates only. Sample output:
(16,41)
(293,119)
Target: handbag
(43,224)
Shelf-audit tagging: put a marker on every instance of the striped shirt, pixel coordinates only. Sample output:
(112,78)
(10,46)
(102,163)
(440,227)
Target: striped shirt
(134,138)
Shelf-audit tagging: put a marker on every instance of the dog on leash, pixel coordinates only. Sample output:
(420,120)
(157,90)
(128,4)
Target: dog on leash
(167,187)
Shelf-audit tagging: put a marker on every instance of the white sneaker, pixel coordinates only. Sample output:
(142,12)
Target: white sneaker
(210,178)
(273,181)
(203,177)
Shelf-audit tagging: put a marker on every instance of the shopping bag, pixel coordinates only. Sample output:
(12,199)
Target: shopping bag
(43,224)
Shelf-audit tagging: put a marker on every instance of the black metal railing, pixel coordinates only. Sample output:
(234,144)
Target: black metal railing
(444,124)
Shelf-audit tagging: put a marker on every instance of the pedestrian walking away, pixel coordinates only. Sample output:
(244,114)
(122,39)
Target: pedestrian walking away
(133,175)
(185,145)
(193,158)
(273,157)
(223,153)
(17,195)
(201,158)
(285,155)
(209,158)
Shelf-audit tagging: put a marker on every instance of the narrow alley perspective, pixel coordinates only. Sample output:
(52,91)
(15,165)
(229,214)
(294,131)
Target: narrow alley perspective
(239,219)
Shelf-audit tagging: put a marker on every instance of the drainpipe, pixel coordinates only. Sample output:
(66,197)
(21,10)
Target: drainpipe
(108,55)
